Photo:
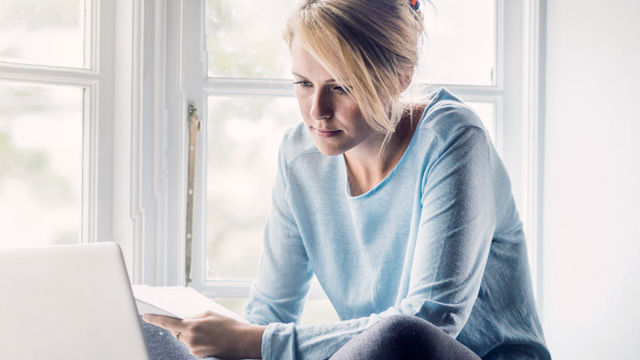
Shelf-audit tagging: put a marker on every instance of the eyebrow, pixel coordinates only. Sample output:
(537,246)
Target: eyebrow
(304,77)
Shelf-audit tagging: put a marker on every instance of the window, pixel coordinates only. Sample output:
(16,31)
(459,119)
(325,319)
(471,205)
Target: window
(67,104)
(93,113)
(116,98)
(239,80)
(41,175)
(46,102)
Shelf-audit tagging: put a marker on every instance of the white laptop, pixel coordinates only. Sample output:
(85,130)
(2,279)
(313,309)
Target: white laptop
(68,302)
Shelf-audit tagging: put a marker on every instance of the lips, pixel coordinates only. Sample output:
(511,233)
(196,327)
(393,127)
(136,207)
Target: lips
(326,133)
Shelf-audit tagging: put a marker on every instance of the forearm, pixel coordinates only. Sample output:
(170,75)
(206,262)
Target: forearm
(301,342)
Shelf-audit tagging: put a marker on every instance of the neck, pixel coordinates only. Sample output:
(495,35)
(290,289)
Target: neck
(368,165)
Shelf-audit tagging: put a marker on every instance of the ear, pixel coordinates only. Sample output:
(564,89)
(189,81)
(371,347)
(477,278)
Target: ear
(405,78)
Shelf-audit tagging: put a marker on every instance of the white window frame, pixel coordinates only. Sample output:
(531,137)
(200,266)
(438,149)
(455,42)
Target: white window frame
(179,36)
(101,78)
(126,181)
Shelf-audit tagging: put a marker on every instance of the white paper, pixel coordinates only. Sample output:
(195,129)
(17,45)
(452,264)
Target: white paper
(177,301)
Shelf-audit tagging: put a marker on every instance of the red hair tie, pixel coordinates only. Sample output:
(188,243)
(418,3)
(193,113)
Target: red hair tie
(415,4)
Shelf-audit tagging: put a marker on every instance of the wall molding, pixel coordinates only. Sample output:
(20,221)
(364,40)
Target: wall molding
(533,117)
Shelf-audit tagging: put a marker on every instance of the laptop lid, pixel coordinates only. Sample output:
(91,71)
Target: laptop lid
(68,302)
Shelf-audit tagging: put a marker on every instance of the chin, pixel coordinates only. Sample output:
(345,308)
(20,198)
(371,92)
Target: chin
(328,150)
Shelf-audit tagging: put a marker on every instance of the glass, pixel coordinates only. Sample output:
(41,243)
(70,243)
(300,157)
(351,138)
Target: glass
(237,305)
(460,45)
(318,311)
(487,113)
(40,164)
(459,49)
(243,137)
(245,39)
(50,33)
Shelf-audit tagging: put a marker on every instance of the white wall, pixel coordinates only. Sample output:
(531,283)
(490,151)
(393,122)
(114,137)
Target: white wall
(591,297)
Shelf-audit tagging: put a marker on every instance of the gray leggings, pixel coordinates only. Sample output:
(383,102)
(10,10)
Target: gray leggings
(162,345)
(404,337)
(394,338)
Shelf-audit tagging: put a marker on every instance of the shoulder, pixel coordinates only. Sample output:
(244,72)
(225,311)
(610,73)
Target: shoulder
(297,143)
(301,166)
(446,116)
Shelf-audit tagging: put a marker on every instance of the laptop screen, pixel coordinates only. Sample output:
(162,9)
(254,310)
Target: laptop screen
(68,302)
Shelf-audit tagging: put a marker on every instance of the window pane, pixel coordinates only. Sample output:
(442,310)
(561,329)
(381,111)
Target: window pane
(460,46)
(40,164)
(487,113)
(245,39)
(244,134)
(318,311)
(48,33)
(237,305)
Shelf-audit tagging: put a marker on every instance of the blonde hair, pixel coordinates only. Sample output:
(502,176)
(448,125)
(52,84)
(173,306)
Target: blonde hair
(369,46)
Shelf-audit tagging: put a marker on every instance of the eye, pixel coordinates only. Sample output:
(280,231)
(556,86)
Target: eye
(303,83)
(339,89)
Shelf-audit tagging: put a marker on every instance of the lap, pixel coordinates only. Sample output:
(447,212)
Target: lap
(393,338)
(404,337)
(162,345)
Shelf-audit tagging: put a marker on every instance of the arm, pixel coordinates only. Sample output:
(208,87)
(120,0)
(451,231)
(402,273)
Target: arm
(456,228)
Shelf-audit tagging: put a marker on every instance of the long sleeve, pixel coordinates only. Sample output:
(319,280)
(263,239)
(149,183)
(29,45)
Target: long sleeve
(417,244)
(455,232)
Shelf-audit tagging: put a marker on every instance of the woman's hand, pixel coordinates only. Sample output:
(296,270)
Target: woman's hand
(212,334)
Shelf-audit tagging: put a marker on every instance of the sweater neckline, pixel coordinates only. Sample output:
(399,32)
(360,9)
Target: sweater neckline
(431,99)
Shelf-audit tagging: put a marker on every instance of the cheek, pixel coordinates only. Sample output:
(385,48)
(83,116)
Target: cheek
(303,105)
(356,119)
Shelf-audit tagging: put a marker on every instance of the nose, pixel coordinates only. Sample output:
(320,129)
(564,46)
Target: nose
(321,108)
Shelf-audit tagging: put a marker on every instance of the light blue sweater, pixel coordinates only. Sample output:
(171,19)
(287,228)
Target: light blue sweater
(439,238)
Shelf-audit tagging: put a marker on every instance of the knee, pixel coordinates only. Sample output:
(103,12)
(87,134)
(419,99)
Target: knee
(400,327)
(396,322)
(403,323)
(410,329)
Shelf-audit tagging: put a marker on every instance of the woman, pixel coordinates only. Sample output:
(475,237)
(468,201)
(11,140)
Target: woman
(403,211)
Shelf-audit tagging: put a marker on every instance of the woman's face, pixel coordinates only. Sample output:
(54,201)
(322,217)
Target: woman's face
(332,117)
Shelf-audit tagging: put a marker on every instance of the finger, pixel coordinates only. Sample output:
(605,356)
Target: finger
(167,322)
